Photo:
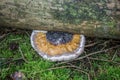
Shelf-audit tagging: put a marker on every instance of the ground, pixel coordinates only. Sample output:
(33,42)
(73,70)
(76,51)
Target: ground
(100,60)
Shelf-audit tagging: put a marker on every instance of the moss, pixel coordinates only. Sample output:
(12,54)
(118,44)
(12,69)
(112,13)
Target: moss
(77,11)
(39,69)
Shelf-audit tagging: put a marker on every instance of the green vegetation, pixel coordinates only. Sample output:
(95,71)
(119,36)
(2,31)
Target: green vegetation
(24,59)
(76,11)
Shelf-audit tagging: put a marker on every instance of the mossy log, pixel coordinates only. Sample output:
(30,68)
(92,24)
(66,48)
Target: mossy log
(95,18)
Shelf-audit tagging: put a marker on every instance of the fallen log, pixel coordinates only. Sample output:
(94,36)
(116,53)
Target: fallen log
(95,18)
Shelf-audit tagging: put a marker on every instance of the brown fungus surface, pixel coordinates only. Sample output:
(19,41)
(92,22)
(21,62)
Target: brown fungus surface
(46,47)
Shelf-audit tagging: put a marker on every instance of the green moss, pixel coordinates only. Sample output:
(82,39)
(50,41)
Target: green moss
(110,73)
(39,69)
(77,11)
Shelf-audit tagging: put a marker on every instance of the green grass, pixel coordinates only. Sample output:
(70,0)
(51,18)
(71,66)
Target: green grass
(36,68)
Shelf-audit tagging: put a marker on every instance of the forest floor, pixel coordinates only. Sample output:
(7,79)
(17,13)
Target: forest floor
(100,60)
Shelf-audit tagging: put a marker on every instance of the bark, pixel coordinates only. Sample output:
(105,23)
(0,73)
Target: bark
(95,18)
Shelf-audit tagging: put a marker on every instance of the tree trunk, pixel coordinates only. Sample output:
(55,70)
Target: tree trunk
(95,18)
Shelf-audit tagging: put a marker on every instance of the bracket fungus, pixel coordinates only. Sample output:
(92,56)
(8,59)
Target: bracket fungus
(56,45)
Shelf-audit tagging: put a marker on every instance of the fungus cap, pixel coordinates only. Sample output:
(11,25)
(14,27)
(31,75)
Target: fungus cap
(60,52)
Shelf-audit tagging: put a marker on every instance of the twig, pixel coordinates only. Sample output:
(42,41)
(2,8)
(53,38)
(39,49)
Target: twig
(27,33)
(89,45)
(22,55)
(104,60)
(114,55)
(15,39)
(105,44)
(4,35)
(89,60)
(90,65)
(53,68)
(11,61)
(88,75)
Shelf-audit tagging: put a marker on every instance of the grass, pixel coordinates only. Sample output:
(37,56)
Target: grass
(101,66)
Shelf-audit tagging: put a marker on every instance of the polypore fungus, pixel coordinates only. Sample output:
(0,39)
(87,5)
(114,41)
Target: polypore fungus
(56,45)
